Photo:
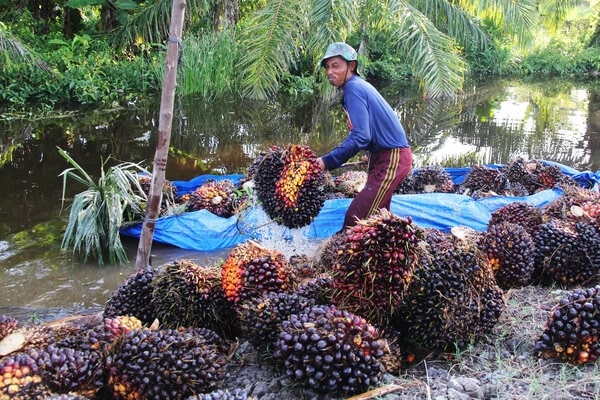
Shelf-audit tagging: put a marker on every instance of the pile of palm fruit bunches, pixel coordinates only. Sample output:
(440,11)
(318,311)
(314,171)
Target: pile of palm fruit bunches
(374,298)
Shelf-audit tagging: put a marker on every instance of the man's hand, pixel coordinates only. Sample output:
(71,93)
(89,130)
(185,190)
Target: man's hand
(321,164)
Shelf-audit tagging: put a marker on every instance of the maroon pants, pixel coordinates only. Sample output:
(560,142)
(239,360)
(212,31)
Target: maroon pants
(387,169)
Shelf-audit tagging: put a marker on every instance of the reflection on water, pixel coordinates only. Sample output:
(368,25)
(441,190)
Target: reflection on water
(491,123)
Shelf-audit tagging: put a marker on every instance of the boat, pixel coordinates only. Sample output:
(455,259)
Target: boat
(203,231)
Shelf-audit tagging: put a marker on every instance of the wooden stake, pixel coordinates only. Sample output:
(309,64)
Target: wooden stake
(164,135)
(380,391)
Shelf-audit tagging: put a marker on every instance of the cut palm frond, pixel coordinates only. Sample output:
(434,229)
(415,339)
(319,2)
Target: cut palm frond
(97,213)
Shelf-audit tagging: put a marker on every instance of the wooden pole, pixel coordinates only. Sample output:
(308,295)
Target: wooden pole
(165,122)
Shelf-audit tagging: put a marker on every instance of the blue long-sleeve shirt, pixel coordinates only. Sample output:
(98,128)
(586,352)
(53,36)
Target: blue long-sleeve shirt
(373,124)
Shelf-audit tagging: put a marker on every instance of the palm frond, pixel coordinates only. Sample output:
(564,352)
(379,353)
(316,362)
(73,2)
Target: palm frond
(269,45)
(455,21)
(151,21)
(97,213)
(439,69)
(521,16)
(331,21)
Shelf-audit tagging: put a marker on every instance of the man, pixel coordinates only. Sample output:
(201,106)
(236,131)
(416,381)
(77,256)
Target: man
(374,127)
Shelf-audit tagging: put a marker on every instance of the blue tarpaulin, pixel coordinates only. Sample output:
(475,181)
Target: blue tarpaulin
(204,231)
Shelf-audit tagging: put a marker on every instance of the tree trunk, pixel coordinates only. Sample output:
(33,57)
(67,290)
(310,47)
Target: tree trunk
(165,123)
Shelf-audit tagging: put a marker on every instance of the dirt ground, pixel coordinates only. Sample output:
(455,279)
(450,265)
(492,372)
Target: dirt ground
(504,366)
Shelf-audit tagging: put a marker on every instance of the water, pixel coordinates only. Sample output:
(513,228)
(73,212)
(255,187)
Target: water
(492,123)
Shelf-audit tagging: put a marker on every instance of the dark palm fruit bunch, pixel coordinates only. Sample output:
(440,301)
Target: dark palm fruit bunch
(165,364)
(76,363)
(524,172)
(133,297)
(190,295)
(319,289)
(7,325)
(374,266)
(222,394)
(169,191)
(251,270)
(567,254)
(289,184)
(330,350)
(327,252)
(214,196)
(511,252)
(407,186)
(261,317)
(350,182)
(573,328)
(485,179)
(518,212)
(20,378)
(550,176)
(432,179)
(454,299)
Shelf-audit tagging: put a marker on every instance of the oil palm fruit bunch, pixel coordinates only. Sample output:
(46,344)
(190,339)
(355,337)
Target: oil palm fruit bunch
(8,325)
(214,196)
(289,184)
(169,192)
(330,350)
(251,270)
(573,328)
(567,253)
(407,186)
(190,295)
(319,288)
(76,363)
(326,253)
(432,179)
(350,182)
(524,172)
(133,297)
(165,364)
(261,317)
(20,378)
(519,212)
(482,178)
(374,265)
(454,299)
(511,253)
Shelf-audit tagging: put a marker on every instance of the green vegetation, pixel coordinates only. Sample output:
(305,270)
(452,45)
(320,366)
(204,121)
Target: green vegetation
(97,213)
(106,53)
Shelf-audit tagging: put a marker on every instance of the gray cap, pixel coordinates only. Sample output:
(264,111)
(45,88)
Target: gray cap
(341,49)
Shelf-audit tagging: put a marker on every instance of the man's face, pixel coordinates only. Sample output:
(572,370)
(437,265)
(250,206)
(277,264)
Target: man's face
(337,70)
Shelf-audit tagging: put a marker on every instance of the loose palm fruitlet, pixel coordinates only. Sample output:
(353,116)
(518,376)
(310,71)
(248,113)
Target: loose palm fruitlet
(454,299)
(261,317)
(374,265)
(521,213)
(511,252)
(133,297)
(20,378)
(214,196)
(567,254)
(165,364)
(289,185)
(573,328)
(190,295)
(330,350)
(251,270)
